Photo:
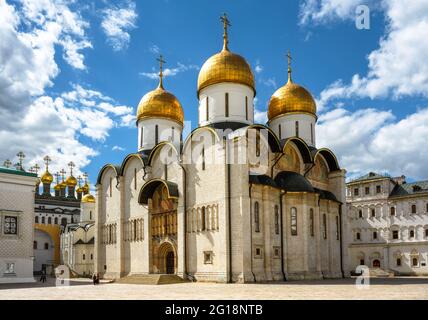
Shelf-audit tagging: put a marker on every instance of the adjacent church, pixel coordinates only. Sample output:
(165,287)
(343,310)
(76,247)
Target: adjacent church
(234,201)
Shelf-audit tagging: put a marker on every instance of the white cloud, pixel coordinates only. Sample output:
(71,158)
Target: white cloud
(154,49)
(373,140)
(117,22)
(260,116)
(399,66)
(170,72)
(117,148)
(258,68)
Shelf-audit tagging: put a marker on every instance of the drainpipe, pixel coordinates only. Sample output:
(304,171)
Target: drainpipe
(251,233)
(282,234)
(340,238)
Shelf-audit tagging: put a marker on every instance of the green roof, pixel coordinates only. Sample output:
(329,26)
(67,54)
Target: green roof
(370,176)
(17,172)
(407,189)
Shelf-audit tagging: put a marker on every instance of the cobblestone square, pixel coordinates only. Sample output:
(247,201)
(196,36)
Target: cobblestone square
(83,289)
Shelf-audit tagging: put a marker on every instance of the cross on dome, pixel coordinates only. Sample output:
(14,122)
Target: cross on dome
(226,23)
(161,62)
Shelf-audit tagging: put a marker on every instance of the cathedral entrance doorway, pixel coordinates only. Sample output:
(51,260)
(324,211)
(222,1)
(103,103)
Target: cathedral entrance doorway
(376,263)
(170,268)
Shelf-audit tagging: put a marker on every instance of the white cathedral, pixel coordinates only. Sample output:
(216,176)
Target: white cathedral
(233,202)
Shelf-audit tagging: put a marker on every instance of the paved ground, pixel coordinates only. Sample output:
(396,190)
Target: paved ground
(395,288)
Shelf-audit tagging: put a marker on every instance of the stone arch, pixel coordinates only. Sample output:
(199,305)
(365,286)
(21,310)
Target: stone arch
(164,259)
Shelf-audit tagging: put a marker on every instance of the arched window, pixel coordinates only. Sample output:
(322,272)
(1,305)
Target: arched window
(56,220)
(36,219)
(246,108)
(373,213)
(256,217)
(311,222)
(293,221)
(297,128)
(398,262)
(426,233)
(276,220)
(226,104)
(392,211)
(414,262)
(92,256)
(324,226)
(172,134)
(111,186)
(337,227)
(279,132)
(203,218)
(258,144)
(156,134)
(312,133)
(49,220)
(64,221)
(413,208)
(360,214)
(43,220)
(84,257)
(412,234)
(426,209)
(207,108)
(165,169)
(90,215)
(46,246)
(374,235)
(35,245)
(135,178)
(203,158)
(358,236)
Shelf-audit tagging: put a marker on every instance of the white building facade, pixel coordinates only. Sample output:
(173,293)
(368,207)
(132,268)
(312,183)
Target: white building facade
(16,225)
(387,224)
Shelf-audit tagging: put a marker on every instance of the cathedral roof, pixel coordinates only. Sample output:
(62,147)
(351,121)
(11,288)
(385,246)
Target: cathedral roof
(370,176)
(407,189)
(293,182)
(262,179)
(327,195)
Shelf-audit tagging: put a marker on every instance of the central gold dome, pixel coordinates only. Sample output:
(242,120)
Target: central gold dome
(71,181)
(47,178)
(160,103)
(291,98)
(225,66)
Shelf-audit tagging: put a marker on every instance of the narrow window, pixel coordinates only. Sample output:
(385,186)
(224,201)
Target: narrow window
(358,236)
(135,178)
(324,224)
(46,246)
(134,226)
(43,220)
(258,144)
(256,217)
(111,189)
(395,234)
(398,262)
(276,220)
(311,222)
(378,189)
(373,213)
(49,220)
(367,190)
(337,227)
(412,234)
(84,257)
(293,221)
(92,256)
(203,219)
(312,133)
(297,128)
(90,215)
(35,245)
(246,108)
(166,171)
(36,219)
(374,235)
(279,132)
(362,262)
(141,137)
(208,108)
(356,192)
(413,208)
(56,221)
(426,208)
(392,210)
(203,158)
(156,134)
(226,111)
(360,214)
(414,262)
(172,134)
(426,233)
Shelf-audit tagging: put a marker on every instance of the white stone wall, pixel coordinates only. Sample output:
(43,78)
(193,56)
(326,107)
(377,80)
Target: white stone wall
(168,130)
(17,199)
(287,124)
(238,94)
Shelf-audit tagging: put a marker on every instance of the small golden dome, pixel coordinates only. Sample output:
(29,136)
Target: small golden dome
(57,187)
(85,188)
(79,190)
(47,178)
(88,198)
(291,98)
(225,66)
(160,103)
(71,181)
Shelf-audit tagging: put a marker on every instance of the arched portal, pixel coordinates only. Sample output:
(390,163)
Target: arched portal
(376,263)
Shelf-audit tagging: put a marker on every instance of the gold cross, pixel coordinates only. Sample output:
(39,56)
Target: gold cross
(79,180)
(57,177)
(36,168)
(47,160)
(226,23)
(85,176)
(71,165)
(7,163)
(161,62)
(289,65)
(63,172)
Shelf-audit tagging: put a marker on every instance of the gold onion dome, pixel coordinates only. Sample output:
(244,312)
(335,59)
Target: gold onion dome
(71,181)
(160,103)
(47,178)
(88,198)
(291,98)
(225,66)
(85,188)
(57,187)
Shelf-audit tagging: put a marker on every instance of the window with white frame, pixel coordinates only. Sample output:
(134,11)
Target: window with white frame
(10,268)
(208,257)
(10,225)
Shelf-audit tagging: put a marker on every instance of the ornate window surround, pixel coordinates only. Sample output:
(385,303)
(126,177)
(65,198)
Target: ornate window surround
(18,215)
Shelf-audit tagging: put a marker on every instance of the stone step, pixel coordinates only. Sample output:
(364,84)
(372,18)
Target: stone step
(380,273)
(151,279)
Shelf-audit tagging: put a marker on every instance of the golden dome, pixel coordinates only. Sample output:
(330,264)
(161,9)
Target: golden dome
(291,98)
(71,181)
(88,198)
(79,190)
(85,188)
(47,178)
(225,66)
(160,103)
(57,187)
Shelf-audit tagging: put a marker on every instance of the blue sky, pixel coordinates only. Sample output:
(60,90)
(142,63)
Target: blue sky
(78,69)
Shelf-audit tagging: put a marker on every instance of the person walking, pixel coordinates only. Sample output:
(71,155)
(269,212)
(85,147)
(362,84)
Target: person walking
(94,279)
(98,278)
(43,276)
